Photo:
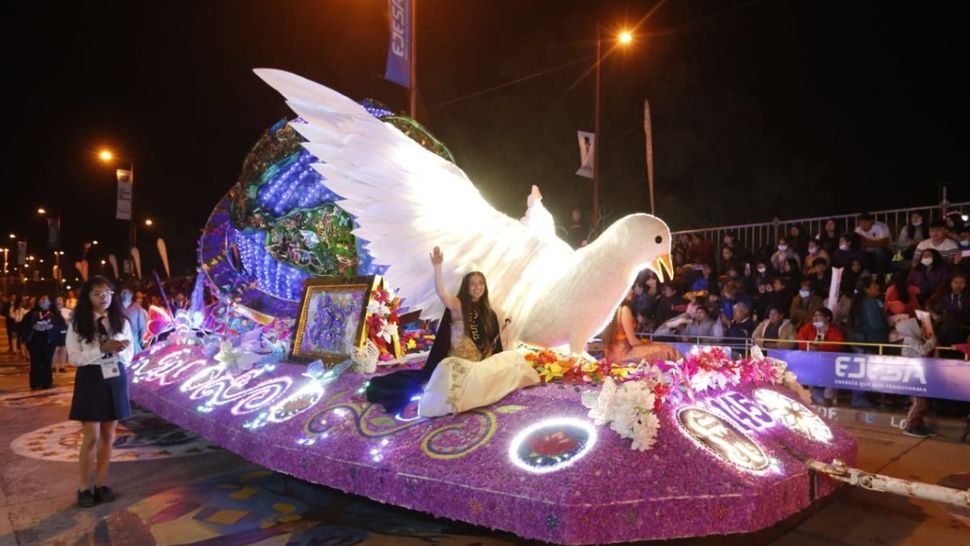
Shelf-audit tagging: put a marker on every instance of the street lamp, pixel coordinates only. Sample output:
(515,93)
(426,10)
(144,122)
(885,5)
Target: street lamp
(107,156)
(54,243)
(148,222)
(622,39)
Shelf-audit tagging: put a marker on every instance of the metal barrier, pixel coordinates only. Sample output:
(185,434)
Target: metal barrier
(764,236)
(745,343)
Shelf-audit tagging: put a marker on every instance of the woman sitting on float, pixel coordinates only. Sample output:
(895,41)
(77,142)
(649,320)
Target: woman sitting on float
(466,367)
(620,341)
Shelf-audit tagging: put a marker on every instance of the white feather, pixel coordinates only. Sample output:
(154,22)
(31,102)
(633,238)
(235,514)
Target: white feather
(407,200)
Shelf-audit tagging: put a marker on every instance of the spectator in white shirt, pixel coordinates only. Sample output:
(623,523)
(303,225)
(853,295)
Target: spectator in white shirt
(938,241)
(875,238)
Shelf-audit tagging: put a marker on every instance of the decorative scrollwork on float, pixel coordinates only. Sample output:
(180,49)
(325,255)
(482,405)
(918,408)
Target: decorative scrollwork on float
(454,441)
(466,433)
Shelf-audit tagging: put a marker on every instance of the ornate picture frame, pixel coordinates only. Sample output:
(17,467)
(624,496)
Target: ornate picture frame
(333,318)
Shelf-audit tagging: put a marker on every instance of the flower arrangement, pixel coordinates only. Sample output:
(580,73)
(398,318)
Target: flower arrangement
(555,367)
(631,407)
(632,396)
(382,322)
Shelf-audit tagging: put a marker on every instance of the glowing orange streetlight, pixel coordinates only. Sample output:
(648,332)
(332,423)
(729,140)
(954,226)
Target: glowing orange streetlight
(625,37)
(149,222)
(107,156)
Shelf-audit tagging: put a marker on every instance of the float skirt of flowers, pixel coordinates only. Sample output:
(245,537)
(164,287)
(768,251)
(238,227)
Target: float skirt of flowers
(534,464)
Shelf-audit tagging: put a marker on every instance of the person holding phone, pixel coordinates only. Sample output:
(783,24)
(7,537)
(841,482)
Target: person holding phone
(99,345)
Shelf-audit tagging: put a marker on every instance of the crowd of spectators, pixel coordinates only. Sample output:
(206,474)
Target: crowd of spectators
(780,297)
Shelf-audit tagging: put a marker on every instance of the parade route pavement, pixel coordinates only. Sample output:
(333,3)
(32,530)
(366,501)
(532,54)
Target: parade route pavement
(175,488)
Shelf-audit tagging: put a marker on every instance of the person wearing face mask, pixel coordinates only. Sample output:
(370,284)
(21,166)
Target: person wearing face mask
(43,324)
(821,335)
(804,305)
(815,252)
(784,253)
(137,317)
(847,250)
(928,275)
(910,235)
(947,248)
(962,257)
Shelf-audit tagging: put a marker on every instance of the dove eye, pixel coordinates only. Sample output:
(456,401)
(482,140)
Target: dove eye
(659,239)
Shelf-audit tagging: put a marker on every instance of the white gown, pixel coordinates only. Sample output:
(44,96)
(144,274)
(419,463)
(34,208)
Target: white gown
(459,384)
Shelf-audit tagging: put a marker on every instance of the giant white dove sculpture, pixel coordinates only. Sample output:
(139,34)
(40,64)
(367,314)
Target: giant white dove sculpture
(407,200)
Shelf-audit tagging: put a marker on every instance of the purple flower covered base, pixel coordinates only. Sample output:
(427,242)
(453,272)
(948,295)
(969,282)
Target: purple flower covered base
(532,464)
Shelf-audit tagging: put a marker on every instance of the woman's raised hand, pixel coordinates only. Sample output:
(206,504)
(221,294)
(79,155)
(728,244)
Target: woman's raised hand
(436,256)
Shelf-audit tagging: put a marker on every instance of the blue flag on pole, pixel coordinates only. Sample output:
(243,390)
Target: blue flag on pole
(399,50)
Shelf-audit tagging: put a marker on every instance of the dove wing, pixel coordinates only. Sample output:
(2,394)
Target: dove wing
(407,200)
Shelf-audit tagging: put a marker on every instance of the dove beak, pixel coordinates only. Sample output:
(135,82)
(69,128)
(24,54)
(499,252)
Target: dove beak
(661,264)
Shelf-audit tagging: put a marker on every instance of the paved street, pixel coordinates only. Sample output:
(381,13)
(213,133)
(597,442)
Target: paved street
(176,489)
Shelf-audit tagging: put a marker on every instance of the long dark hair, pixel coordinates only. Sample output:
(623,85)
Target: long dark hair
(606,338)
(488,320)
(937,260)
(84,312)
(901,282)
(856,314)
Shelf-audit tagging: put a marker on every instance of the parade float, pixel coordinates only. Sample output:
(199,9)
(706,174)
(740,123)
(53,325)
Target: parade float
(318,267)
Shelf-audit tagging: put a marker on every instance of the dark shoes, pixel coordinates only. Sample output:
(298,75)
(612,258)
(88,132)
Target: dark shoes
(919,432)
(90,497)
(85,499)
(104,494)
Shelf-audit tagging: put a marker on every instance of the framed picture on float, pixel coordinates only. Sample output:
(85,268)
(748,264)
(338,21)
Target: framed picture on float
(333,319)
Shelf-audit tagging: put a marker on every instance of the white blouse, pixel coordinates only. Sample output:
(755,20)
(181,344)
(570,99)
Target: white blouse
(82,353)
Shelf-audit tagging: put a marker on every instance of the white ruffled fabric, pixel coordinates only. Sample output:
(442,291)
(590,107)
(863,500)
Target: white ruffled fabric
(458,385)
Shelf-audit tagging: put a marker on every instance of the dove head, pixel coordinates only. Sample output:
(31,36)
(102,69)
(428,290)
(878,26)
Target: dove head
(642,242)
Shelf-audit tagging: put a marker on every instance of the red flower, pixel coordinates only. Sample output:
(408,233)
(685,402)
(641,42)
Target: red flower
(552,444)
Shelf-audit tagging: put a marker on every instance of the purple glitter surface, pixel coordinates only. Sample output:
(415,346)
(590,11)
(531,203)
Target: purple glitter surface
(460,467)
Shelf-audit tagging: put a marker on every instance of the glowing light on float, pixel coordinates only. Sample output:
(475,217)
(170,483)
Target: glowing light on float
(793,415)
(722,439)
(552,444)
(296,403)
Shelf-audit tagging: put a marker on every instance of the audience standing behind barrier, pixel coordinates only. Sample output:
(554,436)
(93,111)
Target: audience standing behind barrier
(784,289)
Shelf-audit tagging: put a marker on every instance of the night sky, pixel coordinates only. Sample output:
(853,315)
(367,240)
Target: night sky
(761,109)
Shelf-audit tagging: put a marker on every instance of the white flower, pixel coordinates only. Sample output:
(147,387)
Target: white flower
(602,410)
(377,308)
(388,332)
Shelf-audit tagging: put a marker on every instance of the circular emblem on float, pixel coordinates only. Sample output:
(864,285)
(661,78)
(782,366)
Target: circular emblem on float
(723,439)
(793,415)
(551,445)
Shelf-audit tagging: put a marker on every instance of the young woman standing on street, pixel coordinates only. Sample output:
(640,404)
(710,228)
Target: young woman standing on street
(99,344)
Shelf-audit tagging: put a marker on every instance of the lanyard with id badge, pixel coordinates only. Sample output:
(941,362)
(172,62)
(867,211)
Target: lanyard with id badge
(108,369)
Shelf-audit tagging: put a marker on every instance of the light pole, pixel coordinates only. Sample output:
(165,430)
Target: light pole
(108,157)
(623,38)
(55,244)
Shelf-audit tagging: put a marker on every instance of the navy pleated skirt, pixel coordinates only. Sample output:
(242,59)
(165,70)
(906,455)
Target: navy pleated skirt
(98,399)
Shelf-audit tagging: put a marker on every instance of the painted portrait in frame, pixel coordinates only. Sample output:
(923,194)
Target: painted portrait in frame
(331,320)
